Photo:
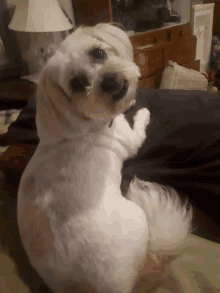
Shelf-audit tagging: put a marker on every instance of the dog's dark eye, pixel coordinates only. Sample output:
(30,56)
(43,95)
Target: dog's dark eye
(98,54)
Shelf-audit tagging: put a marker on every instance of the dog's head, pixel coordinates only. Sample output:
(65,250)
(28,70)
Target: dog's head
(92,76)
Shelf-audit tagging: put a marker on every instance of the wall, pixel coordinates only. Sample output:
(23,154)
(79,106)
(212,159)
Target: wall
(22,48)
(195,2)
(182,8)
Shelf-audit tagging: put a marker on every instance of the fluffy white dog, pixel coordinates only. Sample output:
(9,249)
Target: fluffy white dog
(78,230)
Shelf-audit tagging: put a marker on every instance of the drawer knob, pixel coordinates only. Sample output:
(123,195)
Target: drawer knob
(168,35)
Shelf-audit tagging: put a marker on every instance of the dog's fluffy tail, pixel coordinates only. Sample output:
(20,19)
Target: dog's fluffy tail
(168,218)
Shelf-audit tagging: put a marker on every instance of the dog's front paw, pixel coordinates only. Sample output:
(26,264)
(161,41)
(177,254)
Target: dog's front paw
(142,119)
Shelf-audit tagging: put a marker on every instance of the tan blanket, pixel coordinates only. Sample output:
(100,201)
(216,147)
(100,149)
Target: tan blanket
(195,270)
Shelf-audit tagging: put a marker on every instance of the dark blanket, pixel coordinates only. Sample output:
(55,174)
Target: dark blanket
(183,135)
(182,148)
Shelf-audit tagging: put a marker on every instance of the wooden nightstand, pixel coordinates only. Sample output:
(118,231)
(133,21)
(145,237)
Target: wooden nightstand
(15,92)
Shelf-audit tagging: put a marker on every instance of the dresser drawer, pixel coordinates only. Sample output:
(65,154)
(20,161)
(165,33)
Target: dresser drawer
(150,61)
(151,82)
(195,65)
(167,34)
(149,38)
(178,33)
(180,52)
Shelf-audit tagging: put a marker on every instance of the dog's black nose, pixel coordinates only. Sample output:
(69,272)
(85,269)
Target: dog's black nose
(110,85)
(79,83)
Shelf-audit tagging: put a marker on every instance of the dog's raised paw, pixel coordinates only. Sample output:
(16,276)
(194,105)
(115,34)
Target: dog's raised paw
(142,118)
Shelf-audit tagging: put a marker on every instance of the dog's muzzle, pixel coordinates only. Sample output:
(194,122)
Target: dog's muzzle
(111,85)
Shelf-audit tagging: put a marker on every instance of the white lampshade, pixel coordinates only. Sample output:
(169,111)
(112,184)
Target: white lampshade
(39,16)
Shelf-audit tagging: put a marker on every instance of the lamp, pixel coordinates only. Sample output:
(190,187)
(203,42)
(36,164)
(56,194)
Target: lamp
(42,19)
(39,16)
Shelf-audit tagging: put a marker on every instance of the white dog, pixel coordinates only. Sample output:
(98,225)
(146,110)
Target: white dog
(78,230)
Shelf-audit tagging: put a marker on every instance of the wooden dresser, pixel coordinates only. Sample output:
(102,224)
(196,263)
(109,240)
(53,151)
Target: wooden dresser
(153,50)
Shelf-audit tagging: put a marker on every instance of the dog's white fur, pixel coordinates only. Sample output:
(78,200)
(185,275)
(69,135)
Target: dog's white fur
(78,230)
